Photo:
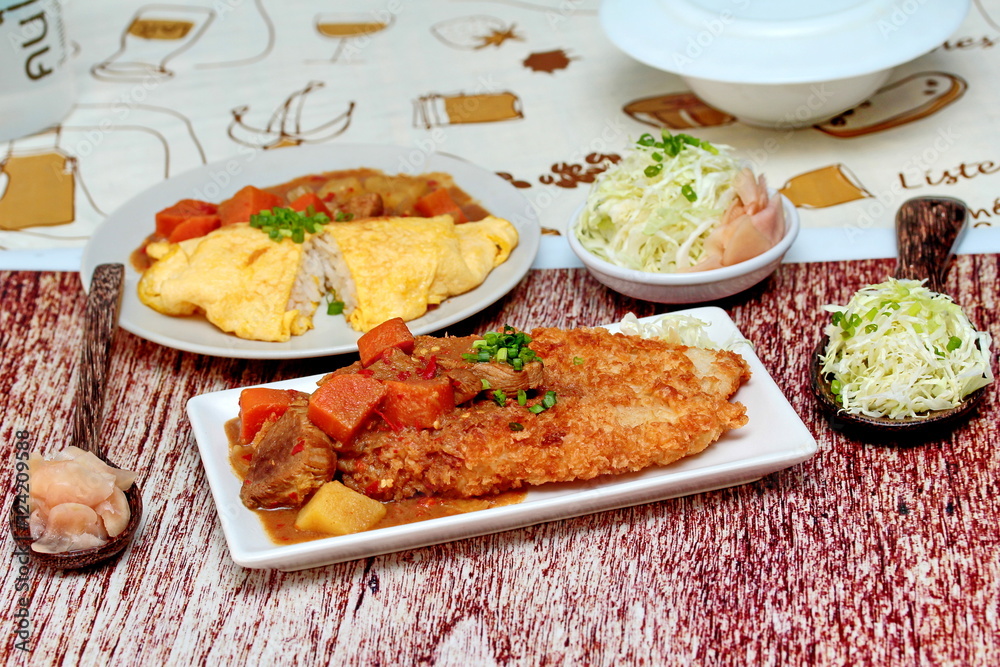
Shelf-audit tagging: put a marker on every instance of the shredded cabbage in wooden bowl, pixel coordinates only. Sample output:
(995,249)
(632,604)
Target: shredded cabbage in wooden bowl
(900,350)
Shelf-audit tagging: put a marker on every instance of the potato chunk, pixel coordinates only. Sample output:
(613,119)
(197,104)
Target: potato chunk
(338,510)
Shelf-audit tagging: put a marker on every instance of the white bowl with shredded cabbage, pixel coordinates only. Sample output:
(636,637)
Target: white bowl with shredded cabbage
(679,220)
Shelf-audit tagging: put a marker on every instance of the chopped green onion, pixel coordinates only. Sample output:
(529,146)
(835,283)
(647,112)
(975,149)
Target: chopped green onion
(549,400)
(653,170)
(509,346)
(516,426)
(689,192)
(500,397)
(280,223)
(535,409)
(953,343)
(485,384)
(522,397)
(335,308)
(577,361)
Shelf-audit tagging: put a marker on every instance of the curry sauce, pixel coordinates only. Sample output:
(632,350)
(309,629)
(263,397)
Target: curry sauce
(279,524)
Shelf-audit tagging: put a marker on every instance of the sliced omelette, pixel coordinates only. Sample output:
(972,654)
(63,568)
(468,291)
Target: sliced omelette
(259,289)
(240,279)
(400,266)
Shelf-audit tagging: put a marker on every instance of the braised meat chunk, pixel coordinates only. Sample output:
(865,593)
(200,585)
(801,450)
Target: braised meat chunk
(291,459)
(366,205)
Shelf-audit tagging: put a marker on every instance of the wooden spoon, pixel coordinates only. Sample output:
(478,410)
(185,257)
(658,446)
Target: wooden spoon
(100,322)
(927,231)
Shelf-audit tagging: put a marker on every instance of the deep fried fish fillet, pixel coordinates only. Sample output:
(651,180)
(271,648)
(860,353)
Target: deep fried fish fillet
(624,404)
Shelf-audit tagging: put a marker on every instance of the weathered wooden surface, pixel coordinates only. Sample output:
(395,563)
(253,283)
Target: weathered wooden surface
(865,554)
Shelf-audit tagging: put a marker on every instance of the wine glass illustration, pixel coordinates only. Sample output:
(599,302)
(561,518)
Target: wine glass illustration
(155,35)
(350,28)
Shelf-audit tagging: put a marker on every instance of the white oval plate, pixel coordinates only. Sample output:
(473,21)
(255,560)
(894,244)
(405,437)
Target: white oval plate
(127,227)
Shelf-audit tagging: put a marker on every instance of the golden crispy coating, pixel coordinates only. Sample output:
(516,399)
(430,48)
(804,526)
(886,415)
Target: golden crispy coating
(623,404)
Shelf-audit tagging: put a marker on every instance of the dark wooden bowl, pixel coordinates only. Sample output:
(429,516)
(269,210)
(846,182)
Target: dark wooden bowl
(914,429)
(72,560)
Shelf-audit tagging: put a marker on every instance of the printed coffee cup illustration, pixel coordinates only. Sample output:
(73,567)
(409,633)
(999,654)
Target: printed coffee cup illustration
(904,101)
(827,186)
(460,108)
(677,111)
(37,185)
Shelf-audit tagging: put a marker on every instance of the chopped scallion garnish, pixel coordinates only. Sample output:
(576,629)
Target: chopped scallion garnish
(509,346)
(281,223)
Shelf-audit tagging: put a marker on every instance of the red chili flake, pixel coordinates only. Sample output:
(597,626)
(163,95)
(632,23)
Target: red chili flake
(387,355)
(246,481)
(330,196)
(432,183)
(403,376)
(367,372)
(371,489)
(428,502)
(430,370)
(293,496)
(248,457)
(299,446)
(395,426)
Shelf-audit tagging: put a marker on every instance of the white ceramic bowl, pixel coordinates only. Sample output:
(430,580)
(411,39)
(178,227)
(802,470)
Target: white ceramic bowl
(781,63)
(694,287)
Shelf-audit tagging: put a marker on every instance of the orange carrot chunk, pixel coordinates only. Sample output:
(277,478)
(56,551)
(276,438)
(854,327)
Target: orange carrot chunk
(343,404)
(439,202)
(172,216)
(248,201)
(417,403)
(389,334)
(194,227)
(303,203)
(259,405)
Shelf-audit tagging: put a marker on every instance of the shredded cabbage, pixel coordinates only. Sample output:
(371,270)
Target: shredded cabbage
(654,214)
(676,329)
(898,349)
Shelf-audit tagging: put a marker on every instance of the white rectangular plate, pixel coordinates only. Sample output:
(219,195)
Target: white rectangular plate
(774,438)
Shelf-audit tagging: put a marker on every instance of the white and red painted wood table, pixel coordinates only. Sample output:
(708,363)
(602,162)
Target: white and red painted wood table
(865,554)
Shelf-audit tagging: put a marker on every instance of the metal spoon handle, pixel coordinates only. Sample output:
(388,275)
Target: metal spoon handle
(927,231)
(100,322)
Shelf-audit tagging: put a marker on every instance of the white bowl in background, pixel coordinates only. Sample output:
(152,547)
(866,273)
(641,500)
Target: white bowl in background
(781,63)
(777,105)
(693,287)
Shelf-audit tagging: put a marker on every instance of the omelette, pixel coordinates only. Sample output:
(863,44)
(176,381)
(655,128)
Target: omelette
(397,267)
(248,285)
